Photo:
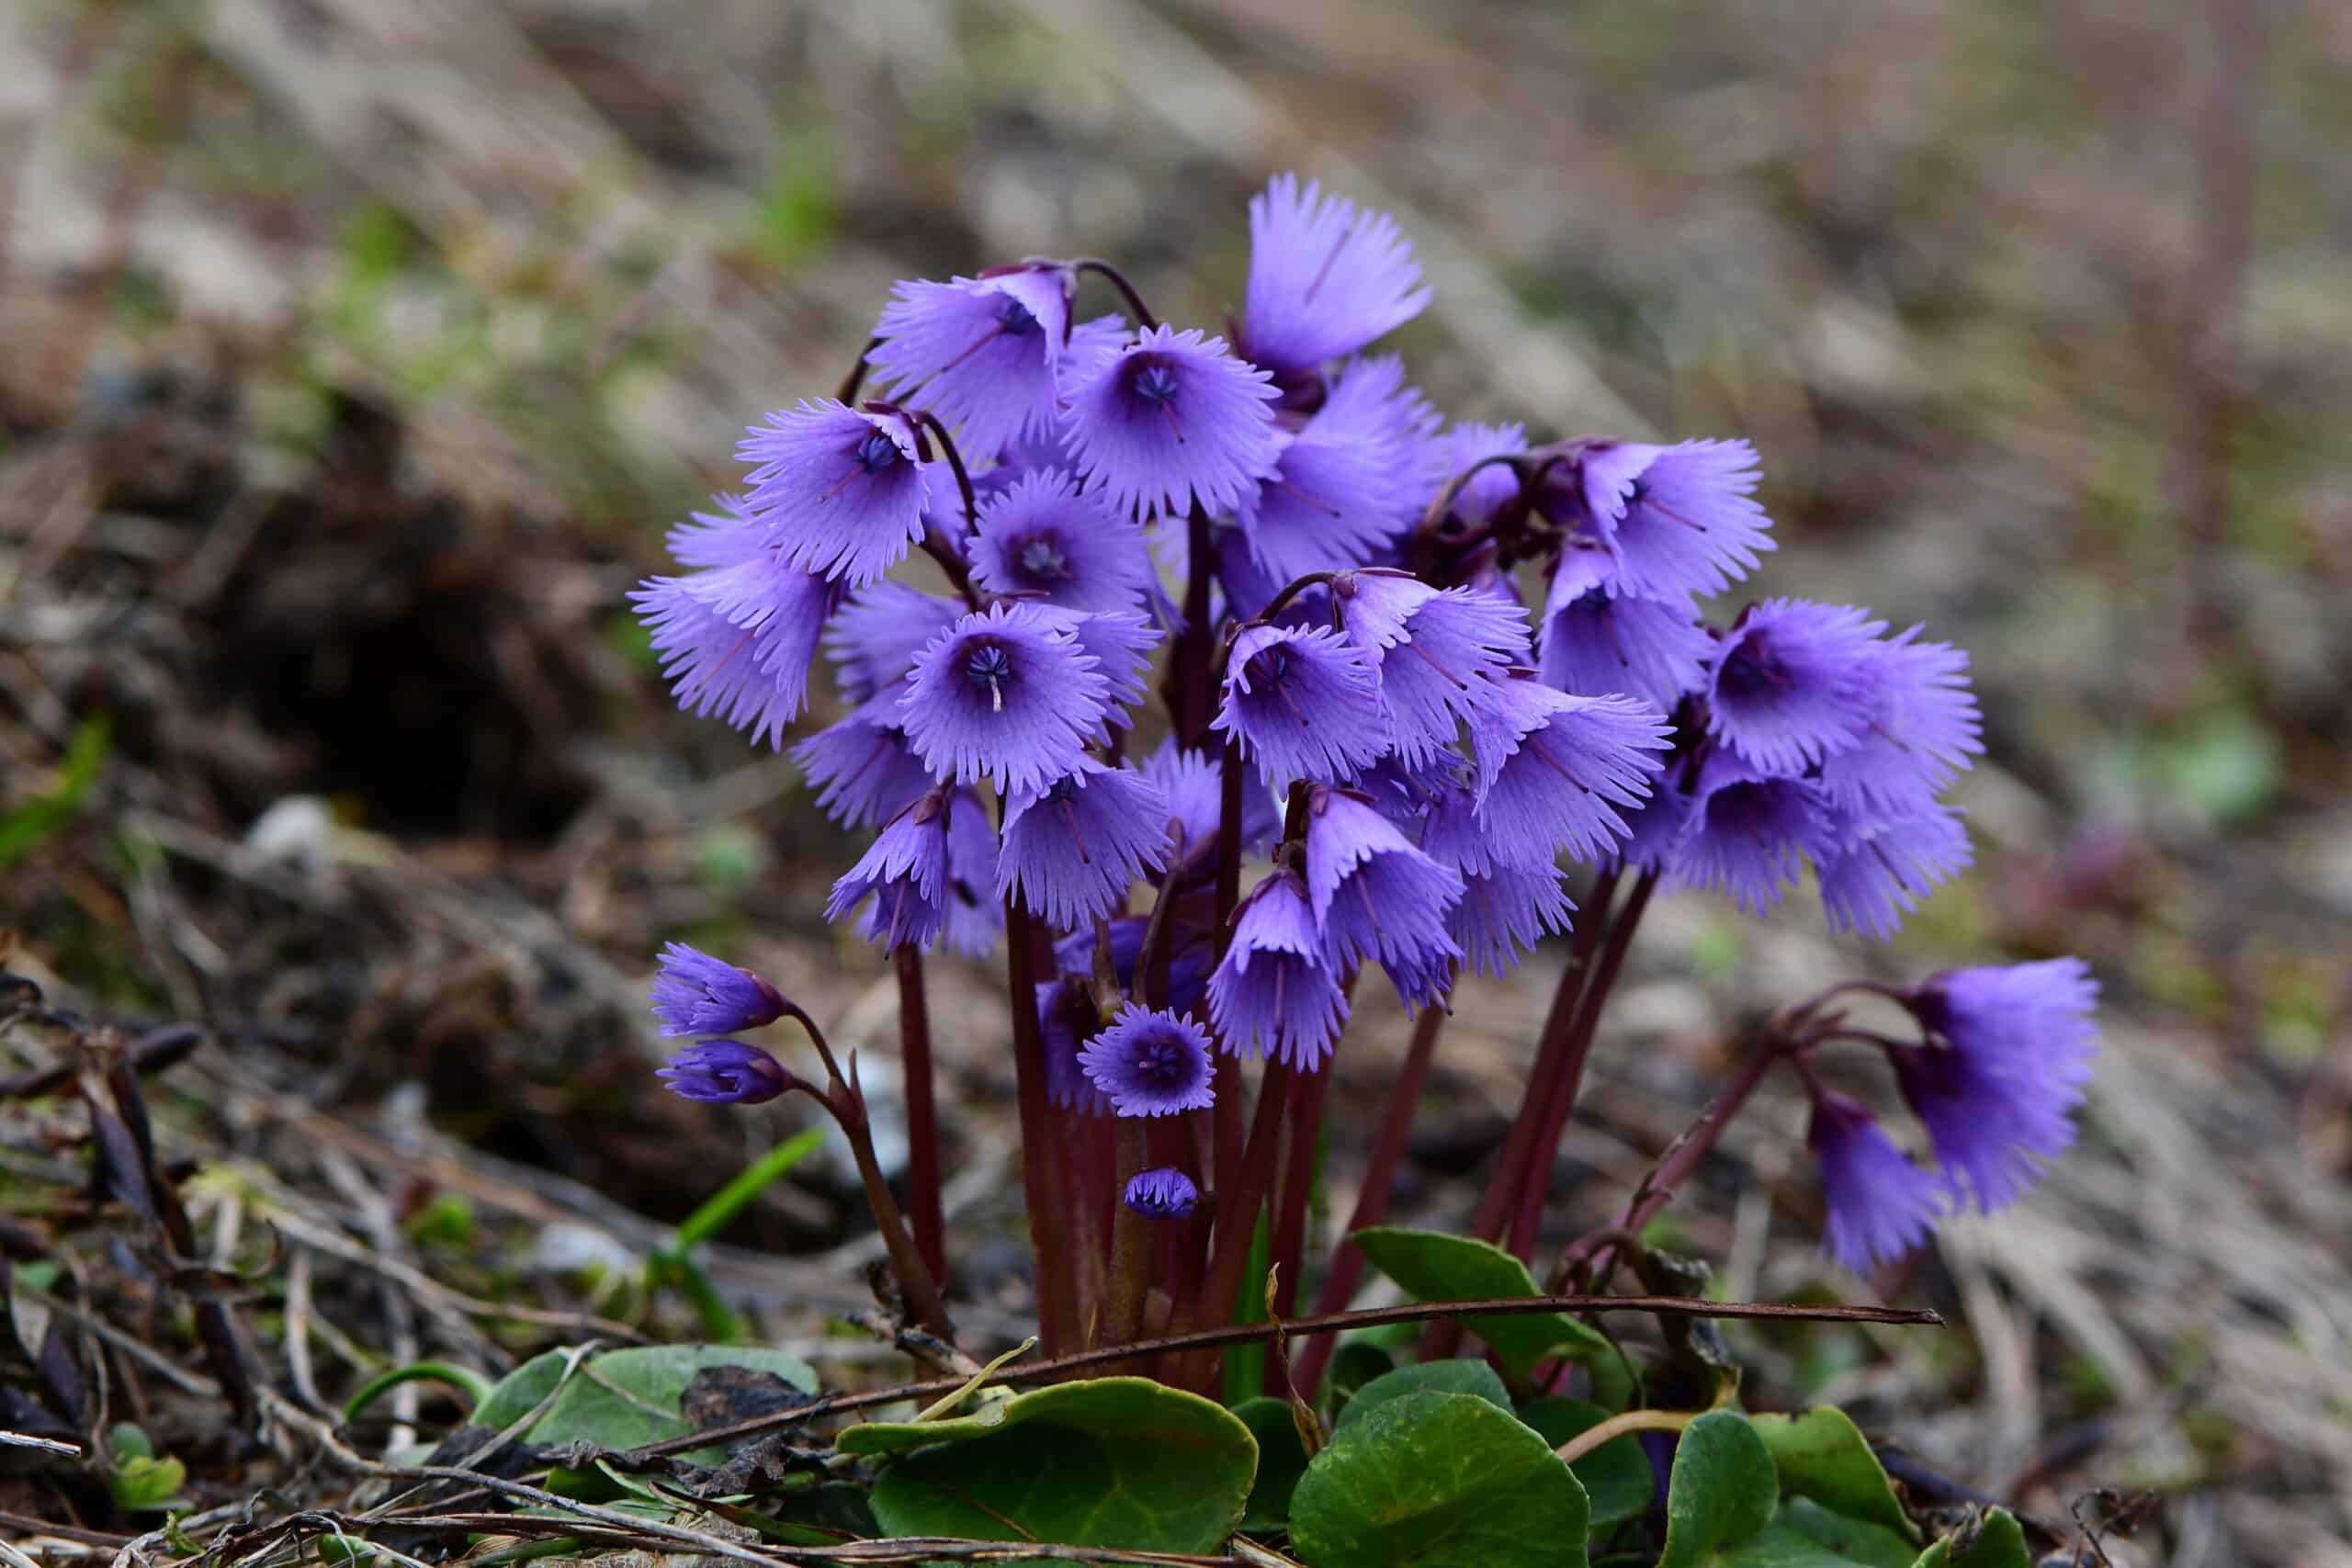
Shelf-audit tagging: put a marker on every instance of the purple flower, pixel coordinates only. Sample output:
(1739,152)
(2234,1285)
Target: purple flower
(1006,694)
(1150,1064)
(1882,868)
(1273,994)
(1374,894)
(1654,829)
(1353,476)
(1554,767)
(1881,1204)
(1493,486)
(1922,727)
(1505,910)
(725,1072)
(2010,1050)
(1191,954)
(1044,537)
(1166,1193)
(1194,783)
(841,489)
(860,766)
(1792,682)
(1598,640)
(1173,418)
(1074,848)
(1325,279)
(1120,642)
(1746,833)
(737,638)
(983,350)
(696,994)
(873,642)
(906,871)
(1067,1019)
(1435,651)
(1302,705)
(973,915)
(1677,520)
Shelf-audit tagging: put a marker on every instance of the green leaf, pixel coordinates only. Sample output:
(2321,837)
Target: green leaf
(1355,1363)
(624,1399)
(1438,1481)
(1434,1266)
(1123,1463)
(1616,1475)
(1821,1455)
(24,826)
(1281,1460)
(1777,1546)
(1994,1540)
(142,1484)
(1857,1540)
(1458,1376)
(1723,1490)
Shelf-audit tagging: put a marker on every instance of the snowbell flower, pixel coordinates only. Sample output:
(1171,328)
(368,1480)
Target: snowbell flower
(1150,1063)
(696,994)
(842,490)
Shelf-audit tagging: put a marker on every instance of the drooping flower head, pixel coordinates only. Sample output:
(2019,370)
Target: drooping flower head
(736,639)
(1325,278)
(1005,694)
(1882,1205)
(1677,520)
(724,1072)
(2009,1051)
(1922,727)
(1436,652)
(905,870)
(1164,1193)
(983,351)
(1275,994)
(1066,1019)
(1348,481)
(1120,642)
(1553,769)
(1747,833)
(873,640)
(1506,910)
(1302,704)
(1044,537)
(860,767)
(1792,682)
(1600,639)
(696,994)
(1377,895)
(972,915)
(1193,783)
(1150,1063)
(1881,866)
(1171,419)
(840,490)
(1073,849)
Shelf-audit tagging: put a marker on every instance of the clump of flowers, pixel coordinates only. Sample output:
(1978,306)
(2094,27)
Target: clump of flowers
(1409,695)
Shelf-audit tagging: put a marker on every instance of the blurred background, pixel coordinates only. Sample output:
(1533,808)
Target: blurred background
(357,352)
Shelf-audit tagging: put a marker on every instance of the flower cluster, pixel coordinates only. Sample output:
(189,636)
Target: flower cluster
(1421,669)
(696,994)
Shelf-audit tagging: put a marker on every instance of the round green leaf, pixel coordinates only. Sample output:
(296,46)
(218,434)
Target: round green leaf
(1280,1460)
(1438,1480)
(1855,1540)
(1616,1475)
(1724,1490)
(1122,1462)
(1460,1376)
(1434,1266)
(623,1399)
(1821,1455)
(1994,1540)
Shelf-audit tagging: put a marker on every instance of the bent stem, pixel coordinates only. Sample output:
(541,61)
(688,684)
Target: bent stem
(1619,1425)
(1372,1199)
(922,1112)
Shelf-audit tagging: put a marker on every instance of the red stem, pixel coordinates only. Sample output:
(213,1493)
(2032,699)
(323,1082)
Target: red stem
(1225,1114)
(923,1113)
(1048,1227)
(1372,1199)
(1304,1127)
(1535,1180)
(1236,1205)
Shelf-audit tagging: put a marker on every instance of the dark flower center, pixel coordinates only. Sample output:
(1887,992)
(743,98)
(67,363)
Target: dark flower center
(1061,790)
(1162,1063)
(1015,319)
(1041,560)
(987,664)
(1156,384)
(1271,665)
(1755,670)
(876,452)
